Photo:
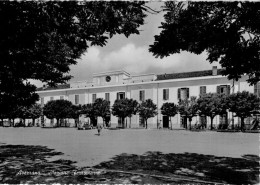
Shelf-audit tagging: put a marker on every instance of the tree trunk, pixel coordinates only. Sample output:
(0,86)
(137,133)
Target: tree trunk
(33,122)
(130,122)
(211,123)
(57,125)
(242,124)
(13,123)
(23,122)
(171,122)
(123,122)
(190,119)
(146,123)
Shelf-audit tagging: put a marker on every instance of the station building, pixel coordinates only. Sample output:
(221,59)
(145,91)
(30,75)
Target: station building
(159,88)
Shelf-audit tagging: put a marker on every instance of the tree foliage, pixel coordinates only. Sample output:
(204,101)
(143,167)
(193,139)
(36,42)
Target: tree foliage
(102,108)
(59,109)
(133,107)
(169,109)
(211,105)
(243,104)
(228,31)
(41,39)
(147,109)
(188,108)
(120,109)
(89,111)
(75,112)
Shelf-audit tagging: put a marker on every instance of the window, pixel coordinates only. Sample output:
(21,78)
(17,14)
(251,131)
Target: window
(107,97)
(183,93)
(42,102)
(203,90)
(62,97)
(141,95)
(76,99)
(223,89)
(51,98)
(120,95)
(257,89)
(94,97)
(165,94)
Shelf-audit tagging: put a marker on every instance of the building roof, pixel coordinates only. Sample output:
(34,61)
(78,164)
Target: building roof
(187,74)
(62,86)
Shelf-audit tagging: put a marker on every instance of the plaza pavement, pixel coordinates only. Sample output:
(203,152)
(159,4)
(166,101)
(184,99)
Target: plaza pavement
(88,149)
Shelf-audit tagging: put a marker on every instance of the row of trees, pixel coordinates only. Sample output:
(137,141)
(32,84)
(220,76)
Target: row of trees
(242,104)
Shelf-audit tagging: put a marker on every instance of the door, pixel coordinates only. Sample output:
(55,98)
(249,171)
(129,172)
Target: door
(165,121)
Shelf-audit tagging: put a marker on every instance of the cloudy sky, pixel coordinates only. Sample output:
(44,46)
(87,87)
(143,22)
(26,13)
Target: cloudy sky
(131,54)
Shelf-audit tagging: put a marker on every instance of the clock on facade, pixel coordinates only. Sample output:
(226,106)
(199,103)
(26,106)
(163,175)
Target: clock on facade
(108,78)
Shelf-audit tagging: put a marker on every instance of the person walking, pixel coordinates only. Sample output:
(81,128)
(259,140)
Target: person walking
(99,127)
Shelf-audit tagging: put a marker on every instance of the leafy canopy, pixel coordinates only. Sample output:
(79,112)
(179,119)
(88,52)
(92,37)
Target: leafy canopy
(228,31)
(169,109)
(58,109)
(120,108)
(188,107)
(147,109)
(42,39)
(243,103)
(212,104)
(102,107)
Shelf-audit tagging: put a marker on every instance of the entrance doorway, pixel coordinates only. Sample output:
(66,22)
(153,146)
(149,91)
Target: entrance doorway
(165,121)
(184,122)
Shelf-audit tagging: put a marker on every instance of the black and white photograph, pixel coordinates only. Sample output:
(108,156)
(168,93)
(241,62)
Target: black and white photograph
(129,92)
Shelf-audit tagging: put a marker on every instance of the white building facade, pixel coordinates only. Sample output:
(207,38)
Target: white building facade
(159,88)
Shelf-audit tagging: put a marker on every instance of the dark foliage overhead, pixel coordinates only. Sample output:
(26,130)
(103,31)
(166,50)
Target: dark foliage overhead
(40,40)
(228,31)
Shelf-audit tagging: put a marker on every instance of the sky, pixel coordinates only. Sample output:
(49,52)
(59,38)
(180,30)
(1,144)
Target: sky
(131,54)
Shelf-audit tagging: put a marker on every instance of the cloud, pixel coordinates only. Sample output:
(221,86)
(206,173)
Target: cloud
(136,60)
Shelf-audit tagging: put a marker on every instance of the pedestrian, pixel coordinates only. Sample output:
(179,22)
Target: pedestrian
(99,129)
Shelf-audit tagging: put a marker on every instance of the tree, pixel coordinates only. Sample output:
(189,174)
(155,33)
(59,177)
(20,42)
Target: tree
(243,104)
(76,111)
(212,104)
(50,36)
(89,111)
(228,31)
(102,108)
(147,109)
(169,109)
(133,107)
(34,112)
(188,108)
(120,109)
(59,109)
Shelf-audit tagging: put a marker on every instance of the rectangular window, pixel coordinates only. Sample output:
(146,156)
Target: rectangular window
(141,95)
(203,90)
(62,97)
(42,102)
(107,97)
(183,93)
(120,95)
(165,94)
(223,89)
(94,97)
(257,89)
(76,99)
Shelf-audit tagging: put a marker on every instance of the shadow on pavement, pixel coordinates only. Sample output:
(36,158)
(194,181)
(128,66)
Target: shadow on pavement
(190,166)
(20,164)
